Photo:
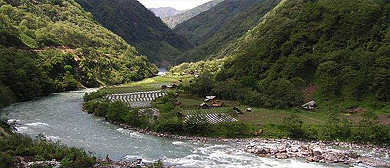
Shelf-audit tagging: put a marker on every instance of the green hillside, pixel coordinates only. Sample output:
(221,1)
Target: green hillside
(139,27)
(232,29)
(339,48)
(49,46)
(173,21)
(201,27)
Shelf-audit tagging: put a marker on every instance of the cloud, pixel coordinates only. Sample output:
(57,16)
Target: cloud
(177,4)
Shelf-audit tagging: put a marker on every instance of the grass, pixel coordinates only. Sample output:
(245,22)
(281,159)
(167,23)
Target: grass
(149,84)
(259,116)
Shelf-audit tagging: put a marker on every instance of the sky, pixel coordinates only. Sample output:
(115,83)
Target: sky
(177,4)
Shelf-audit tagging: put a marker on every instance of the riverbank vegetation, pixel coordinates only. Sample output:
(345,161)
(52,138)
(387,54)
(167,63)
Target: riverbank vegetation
(169,120)
(16,150)
(327,122)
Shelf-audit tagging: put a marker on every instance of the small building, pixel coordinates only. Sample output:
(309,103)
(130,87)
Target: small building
(309,106)
(209,98)
(237,110)
(217,103)
(204,106)
(249,110)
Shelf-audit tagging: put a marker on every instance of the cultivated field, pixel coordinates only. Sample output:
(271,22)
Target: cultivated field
(137,99)
(213,116)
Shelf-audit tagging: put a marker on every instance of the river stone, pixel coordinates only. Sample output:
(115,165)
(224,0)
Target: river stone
(316,153)
(281,156)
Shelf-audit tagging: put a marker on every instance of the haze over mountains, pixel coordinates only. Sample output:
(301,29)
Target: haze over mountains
(163,12)
(172,21)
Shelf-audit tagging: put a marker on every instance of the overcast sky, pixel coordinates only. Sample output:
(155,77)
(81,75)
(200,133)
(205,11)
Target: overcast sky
(177,4)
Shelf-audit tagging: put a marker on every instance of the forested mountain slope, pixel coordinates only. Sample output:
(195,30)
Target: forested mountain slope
(341,47)
(139,27)
(49,46)
(230,31)
(173,21)
(201,27)
(163,12)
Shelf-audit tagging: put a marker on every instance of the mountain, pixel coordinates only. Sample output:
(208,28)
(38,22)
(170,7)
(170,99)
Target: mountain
(338,49)
(201,27)
(163,12)
(177,19)
(53,46)
(224,31)
(139,27)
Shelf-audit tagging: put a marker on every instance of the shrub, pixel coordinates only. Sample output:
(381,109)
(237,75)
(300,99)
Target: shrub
(116,110)
(6,160)
(293,126)
(94,95)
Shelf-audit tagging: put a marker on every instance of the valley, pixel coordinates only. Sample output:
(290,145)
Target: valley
(228,83)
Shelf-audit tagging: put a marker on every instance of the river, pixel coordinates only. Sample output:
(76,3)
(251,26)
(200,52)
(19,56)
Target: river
(59,117)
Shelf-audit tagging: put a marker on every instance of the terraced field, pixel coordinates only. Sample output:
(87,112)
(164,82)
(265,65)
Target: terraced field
(137,99)
(213,116)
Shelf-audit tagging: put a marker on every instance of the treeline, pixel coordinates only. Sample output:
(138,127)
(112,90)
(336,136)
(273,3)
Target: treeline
(368,130)
(54,46)
(344,54)
(170,120)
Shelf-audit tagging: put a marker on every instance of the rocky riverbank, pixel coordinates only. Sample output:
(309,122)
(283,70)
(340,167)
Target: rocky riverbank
(321,152)
(316,151)
(100,164)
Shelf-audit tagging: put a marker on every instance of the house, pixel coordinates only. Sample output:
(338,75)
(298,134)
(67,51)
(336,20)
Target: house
(209,98)
(204,106)
(248,109)
(237,110)
(309,106)
(217,103)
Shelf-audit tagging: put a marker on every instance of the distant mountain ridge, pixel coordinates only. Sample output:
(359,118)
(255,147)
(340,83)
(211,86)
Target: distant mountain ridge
(173,21)
(163,12)
(218,27)
(139,27)
(203,26)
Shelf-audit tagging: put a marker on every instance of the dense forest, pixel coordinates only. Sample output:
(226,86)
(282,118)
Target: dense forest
(203,26)
(221,31)
(139,27)
(175,20)
(339,48)
(49,46)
